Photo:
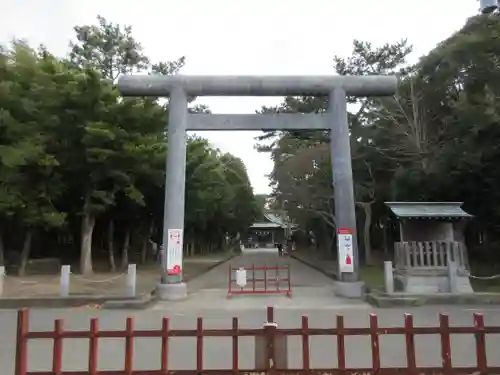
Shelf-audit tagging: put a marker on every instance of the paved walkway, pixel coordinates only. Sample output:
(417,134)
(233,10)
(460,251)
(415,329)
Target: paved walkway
(310,288)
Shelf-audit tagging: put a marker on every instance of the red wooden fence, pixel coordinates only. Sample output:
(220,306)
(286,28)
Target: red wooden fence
(270,342)
(271,282)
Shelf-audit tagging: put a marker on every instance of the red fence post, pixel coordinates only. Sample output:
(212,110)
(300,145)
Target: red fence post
(340,343)
(480,337)
(375,343)
(199,345)
(444,331)
(93,346)
(411,362)
(22,342)
(305,343)
(165,328)
(270,348)
(57,348)
(129,346)
(235,345)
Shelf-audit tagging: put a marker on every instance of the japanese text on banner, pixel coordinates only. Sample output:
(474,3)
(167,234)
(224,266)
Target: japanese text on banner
(345,246)
(174,251)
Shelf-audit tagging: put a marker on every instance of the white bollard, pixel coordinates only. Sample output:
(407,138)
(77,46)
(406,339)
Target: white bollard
(388,277)
(131,280)
(64,281)
(2,276)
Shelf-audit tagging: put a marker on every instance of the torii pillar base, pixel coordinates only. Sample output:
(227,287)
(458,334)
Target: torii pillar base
(350,289)
(171,292)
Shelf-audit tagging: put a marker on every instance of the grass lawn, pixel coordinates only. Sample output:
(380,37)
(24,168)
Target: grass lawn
(491,285)
(373,276)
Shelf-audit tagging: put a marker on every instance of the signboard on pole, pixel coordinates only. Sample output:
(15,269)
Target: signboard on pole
(345,246)
(174,251)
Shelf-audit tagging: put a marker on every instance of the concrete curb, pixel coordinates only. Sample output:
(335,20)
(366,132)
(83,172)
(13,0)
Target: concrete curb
(58,302)
(402,300)
(313,265)
(142,301)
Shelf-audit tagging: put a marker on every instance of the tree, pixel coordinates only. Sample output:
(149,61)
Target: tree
(302,170)
(84,170)
(29,180)
(108,48)
(112,50)
(454,92)
(219,196)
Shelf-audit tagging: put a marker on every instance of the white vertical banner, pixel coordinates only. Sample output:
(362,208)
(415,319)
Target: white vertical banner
(345,246)
(174,251)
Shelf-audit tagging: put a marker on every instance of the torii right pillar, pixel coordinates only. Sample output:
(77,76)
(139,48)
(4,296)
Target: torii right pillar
(349,284)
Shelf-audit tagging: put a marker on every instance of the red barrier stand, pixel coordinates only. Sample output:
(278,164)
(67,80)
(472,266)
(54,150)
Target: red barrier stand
(260,280)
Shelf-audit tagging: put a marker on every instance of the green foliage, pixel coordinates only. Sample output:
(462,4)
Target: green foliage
(74,154)
(436,140)
(109,48)
(302,175)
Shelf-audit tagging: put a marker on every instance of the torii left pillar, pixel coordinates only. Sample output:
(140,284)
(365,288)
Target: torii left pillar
(172,287)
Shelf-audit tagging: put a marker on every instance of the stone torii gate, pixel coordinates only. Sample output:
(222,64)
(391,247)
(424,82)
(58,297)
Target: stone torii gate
(179,87)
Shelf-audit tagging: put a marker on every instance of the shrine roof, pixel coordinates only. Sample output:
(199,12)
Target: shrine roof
(428,209)
(272,220)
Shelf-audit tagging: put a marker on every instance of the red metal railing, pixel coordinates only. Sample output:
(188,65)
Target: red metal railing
(272,280)
(270,346)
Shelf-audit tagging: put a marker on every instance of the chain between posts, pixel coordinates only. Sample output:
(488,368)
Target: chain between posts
(468,274)
(110,279)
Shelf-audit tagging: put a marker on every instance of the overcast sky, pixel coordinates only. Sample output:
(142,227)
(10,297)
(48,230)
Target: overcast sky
(243,37)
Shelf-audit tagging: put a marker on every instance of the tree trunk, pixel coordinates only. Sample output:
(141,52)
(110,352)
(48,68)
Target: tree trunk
(25,253)
(191,249)
(126,247)
(2,250)
(367,209)
(88,223)
(145,244)
(385,242)
(329,244)
(111,245)
(144,250)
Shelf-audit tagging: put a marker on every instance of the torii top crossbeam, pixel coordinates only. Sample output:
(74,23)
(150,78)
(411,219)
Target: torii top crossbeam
(200,85)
